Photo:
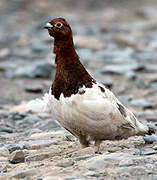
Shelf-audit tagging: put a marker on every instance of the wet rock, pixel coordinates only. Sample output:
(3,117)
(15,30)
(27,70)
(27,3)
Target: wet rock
(25,173)
(88,42)
(4,152)
(40,70)
(65,164)
(33,89)
(17,156)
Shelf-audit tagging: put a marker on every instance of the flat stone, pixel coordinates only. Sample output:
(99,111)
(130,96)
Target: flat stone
(25,173)
(17,156)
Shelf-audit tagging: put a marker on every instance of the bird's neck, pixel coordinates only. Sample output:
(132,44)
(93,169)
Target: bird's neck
(70,73)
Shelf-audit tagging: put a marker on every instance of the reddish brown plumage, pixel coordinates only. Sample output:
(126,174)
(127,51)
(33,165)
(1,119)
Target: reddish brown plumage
(70,73)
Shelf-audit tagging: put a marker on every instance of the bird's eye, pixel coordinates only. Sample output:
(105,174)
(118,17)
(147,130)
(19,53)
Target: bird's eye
(58,25)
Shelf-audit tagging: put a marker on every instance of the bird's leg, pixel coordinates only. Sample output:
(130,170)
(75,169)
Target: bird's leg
(83,141)
(97,146)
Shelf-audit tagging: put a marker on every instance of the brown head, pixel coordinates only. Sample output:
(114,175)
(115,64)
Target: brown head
(70,73)
(59,29)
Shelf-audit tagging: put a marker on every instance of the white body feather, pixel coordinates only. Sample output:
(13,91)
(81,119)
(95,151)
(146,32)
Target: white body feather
(94,114)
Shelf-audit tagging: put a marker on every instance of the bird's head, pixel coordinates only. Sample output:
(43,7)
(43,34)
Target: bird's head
(59,29)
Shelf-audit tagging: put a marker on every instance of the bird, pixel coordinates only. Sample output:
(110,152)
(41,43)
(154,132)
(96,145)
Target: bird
(83,106)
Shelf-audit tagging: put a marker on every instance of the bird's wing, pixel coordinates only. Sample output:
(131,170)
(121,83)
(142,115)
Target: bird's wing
(100,105)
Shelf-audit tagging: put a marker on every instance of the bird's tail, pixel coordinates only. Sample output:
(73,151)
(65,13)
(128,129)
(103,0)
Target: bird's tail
(39,105)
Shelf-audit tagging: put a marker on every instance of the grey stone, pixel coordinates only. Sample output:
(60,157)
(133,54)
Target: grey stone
(150,139)
(17,156)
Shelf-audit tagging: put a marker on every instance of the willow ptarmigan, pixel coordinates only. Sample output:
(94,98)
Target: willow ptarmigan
(84,107)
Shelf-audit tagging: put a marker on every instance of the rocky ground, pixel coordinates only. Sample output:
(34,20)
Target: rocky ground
(117,42)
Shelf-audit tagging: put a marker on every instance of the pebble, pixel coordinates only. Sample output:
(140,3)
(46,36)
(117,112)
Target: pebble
(17,156)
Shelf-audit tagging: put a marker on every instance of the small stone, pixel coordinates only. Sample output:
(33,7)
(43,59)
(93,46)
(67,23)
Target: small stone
(17,156)
(25,173)
(65,164)
(4,152)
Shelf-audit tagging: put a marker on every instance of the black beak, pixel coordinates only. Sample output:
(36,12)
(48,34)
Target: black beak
(48,26)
